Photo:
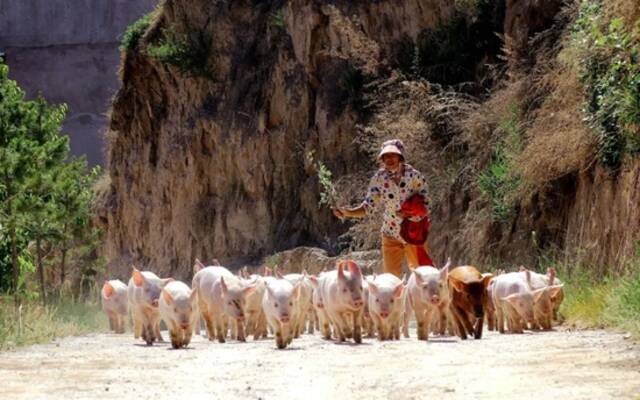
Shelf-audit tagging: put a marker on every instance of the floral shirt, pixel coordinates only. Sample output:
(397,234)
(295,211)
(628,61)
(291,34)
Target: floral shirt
(384,190)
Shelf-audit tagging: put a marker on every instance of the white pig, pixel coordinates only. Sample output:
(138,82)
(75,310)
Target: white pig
(178,311)
(256,321)
(304,302)
(143,292)
(279,302)
(514,301)
(341,293)
(386,305)
(318,304)
(428,293)
(114,304)
(221,296)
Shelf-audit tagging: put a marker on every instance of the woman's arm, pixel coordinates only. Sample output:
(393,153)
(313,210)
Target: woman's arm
(354,212)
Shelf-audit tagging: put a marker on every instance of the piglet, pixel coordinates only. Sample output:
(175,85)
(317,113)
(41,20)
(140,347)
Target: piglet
(428,293)
(279,304)
(114,304)
(178,311)
(143,294)
(386,305)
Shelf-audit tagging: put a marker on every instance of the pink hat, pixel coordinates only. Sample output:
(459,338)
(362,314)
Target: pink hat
(393,146)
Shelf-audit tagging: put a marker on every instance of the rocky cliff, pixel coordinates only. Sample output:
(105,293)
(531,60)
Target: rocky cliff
(225,105)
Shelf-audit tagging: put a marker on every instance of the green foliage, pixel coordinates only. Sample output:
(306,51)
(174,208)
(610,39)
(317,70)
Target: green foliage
(277,19)
(188,52)
(135,31)
(592,302)
(45,195)
(610,71)
(499,181)
(328,191)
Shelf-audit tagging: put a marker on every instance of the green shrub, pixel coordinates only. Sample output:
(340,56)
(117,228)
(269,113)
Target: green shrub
(610,71)
(188,52)
(499,181)
(135,31)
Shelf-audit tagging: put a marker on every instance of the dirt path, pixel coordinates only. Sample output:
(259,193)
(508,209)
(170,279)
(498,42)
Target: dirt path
(567,365)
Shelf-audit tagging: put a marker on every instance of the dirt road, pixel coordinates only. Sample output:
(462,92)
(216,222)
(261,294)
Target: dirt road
(561,365)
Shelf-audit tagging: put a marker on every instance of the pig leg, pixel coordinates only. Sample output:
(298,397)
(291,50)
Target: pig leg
(221,327)
(175,334)
(156,329)
(357,326)
(240,331)
(462,330)
(500,318)
(477,333)
(186,337)
(405,323)
(339,324)
(136,317)
(263,325)
(422,321)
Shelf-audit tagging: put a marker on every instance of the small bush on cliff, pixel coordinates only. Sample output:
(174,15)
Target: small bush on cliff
(610,71)
(188,52)
(499,181)
(135,31)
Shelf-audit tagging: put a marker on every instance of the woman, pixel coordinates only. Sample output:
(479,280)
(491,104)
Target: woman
(394,184)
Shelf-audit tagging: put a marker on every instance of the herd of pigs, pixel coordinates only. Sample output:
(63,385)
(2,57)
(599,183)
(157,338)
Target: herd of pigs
(342,304)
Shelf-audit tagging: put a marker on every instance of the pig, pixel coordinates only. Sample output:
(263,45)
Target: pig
(467,290)
(514,301)
(278,303)
(428,294)
(221,296)
(341,293)
(256,321)
(546,307)
(323,318)
(178,311)
(386,305)
(367,322)
(489,309)
(143,293)
(304,302)
(114,304)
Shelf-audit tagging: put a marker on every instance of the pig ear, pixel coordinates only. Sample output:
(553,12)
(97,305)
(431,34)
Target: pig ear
(537,294)
(270,290)
(522,268)
(554,290)
(198,266)
(354,269)
(223,285)
(193,295)
(314,280)
(279,275)
(457,285)
(486,281)
(444,271)
(404,278)
(138,278)
(418,277)
(267,271)
(107,290)
(551,274)
(341,270)
(373,288)
(397,292)
(296,292)
(448,264)
(167,297)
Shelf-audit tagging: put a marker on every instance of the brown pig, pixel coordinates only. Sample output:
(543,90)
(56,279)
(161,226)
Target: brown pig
(467,298)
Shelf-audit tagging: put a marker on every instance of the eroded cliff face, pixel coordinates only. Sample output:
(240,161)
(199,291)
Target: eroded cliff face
(218,166)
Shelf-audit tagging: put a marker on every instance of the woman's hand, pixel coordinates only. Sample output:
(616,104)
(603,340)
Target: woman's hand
(401,214)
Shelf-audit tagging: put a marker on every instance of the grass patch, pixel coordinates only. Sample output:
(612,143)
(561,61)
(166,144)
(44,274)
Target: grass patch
(135,31)
(610,302)
(499,181)
(36,323)
(189,52)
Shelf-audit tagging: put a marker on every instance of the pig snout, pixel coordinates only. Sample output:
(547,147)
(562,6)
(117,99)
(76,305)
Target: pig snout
(240,317)
(184,326)
(435,299)
(154,303)
(284,318)
(384,314)
(358,302)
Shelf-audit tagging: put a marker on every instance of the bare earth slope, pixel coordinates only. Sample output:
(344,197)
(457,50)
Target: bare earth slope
(562,364)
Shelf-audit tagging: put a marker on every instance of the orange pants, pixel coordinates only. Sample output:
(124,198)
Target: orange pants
(393,251)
